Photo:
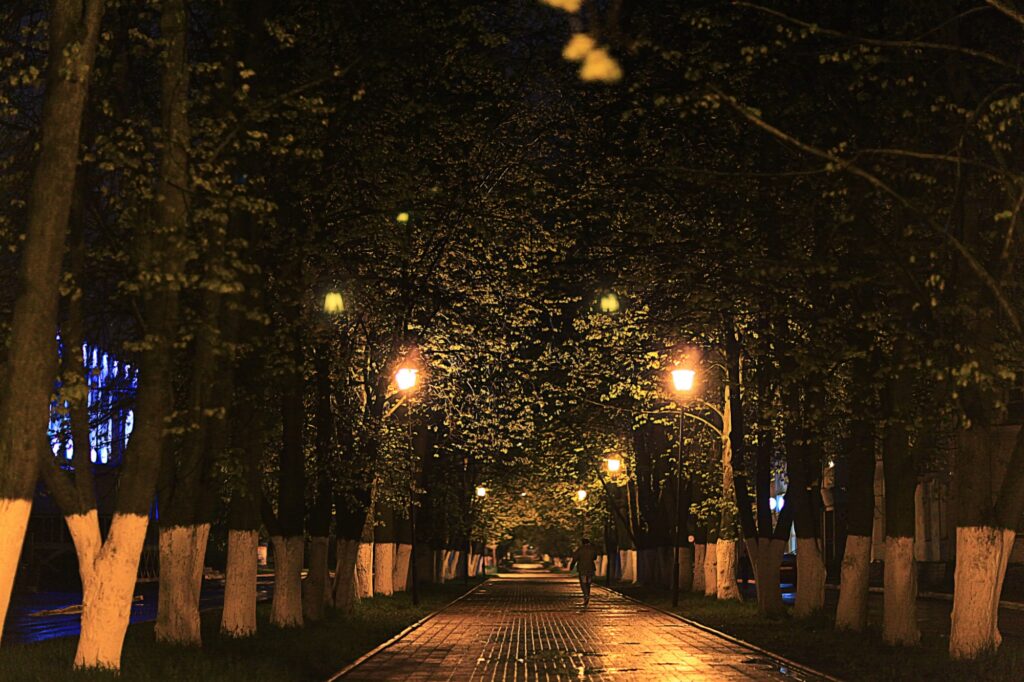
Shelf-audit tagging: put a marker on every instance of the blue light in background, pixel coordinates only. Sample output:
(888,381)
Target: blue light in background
(112,386)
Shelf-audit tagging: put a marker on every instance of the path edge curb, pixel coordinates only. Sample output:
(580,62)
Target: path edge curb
(384,645)
(793,665)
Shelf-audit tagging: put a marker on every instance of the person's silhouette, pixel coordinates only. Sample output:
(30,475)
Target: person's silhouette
(585,558)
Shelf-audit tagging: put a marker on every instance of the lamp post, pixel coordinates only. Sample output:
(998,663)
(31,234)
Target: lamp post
(406,379)
(682,382)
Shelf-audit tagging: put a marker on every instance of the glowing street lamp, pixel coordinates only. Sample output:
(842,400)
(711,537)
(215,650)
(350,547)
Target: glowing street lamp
(406,378)
(481,491)
(334,303)
(581,495)
(614,465)
(402,217)
(682,379)
(609,303)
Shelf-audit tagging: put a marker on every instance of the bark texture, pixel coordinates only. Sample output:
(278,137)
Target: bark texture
(345,596)
(384,568)
(238,618)
(725,566)
(182,549)
(316,587)
(699,552)
(286,608)
(711,570)
(810,578)
(981,557)
(403,557)
(899,619)
(364,571)
(852,611)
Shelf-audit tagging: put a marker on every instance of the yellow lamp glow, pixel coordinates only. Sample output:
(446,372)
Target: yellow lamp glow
(406,378)
(402,217)
(614,465)
(682,379)
(481,491)
(581,494)
(610,303)
(334,303)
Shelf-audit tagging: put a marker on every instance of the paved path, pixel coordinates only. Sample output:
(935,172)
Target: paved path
(533,628)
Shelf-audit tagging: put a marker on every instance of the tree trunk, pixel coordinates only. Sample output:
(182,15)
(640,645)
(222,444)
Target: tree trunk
(726,563)
(810,578)
(769,587)
(899,619)
(364,570)
(108,586)
(238,618)
(403,557)
(384,568)
(686,574)
(852,610)
(31,349)
(345,595)
(286,608)
(711,569)
(981,557)
(699,554)
(316,587)
(182,551)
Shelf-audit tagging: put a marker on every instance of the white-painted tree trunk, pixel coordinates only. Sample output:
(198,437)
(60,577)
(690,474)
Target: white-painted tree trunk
(384,568)
(726,564)
(437,566)
(852,611)
(182,554)
(471,565)
(286,607)
(108,585)
(632,559)
(316,588)
(767,573)
(982,553)
(13,523)
(364,571)
(403,556)
(699,554)
(899,603)
(711,570)
(685,568)
(810,578)
(345,596)
(238,618)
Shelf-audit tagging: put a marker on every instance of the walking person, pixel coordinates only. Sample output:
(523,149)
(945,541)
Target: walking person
(585,558)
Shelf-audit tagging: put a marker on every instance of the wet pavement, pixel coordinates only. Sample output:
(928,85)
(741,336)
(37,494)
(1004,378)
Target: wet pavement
(533,627)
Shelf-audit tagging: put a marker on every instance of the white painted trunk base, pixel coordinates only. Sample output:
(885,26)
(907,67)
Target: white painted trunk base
(685,568)
(13,522)
(852,610)
(810,578)
(699,552)
(711,570)
(767,569)
(899,602)
(982,553)
(471,565)
(286,607)
(316,588)
(345,596)
(182,554)
(238,619)
(403,557)
(384,568)
(364,571)
(108,586)
(725,567)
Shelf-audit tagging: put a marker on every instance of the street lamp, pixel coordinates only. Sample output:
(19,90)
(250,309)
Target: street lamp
(609,303)
(406,378)
(481,491)
(581,495)
(334,303)
(682,381)
(614,465)
(402,217)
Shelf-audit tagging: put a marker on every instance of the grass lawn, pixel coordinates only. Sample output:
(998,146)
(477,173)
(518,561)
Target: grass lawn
(847,656)
(310,653)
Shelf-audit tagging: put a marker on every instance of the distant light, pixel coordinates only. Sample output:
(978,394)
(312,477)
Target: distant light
(523,494)
(402,217)
(581,494)
(682,379)
(406,378)
(610,303)
(334,303)
(614,464)
(481,491)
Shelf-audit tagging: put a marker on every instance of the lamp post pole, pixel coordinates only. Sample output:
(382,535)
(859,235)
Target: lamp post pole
(412,508)
(679,498)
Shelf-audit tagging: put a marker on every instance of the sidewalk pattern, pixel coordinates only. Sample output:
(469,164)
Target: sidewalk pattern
(535,629)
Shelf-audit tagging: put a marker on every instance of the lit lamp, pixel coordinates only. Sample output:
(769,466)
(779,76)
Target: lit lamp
(609,303)
(334,303)
(682,379)
(614,465)
(402,217)
(481,491)
(581,495)
(406,378)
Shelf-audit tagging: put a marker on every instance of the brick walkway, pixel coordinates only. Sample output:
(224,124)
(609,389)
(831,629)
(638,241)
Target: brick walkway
(534,629)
